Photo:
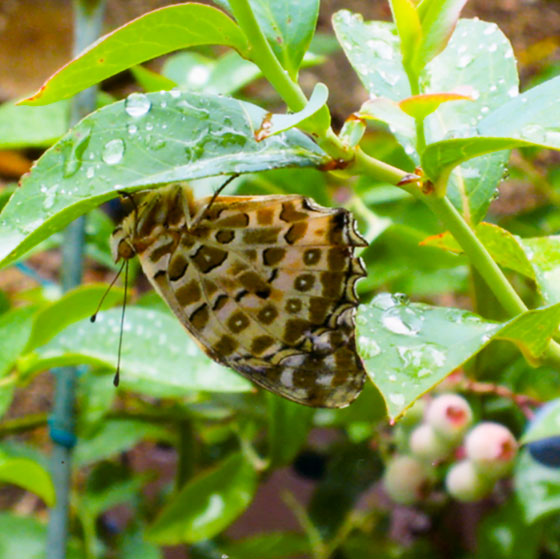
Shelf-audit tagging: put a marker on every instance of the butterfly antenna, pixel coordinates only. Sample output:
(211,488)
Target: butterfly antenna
(117,372)
(94,315)
(202,215)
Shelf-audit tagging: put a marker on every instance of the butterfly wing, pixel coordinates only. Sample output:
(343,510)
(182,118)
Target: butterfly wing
(266,286)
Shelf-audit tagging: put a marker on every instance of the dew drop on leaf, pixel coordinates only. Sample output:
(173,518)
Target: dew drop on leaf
(137,105)
(113,152)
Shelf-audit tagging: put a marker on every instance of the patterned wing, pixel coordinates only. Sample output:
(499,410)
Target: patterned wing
(266,286)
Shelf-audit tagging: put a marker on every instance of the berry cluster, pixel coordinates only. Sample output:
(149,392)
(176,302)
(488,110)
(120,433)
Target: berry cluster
(487,453)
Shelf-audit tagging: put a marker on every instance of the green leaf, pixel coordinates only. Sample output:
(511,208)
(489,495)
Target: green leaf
(280,123)
(410,347)
(15,329)
(543,254)
(288,426)
(409,28)
(480,57)
(537,258)
(96,394)
(400,124)
(134,547)
(74,305)
(108,485)
(438,19)
(530,119)
(420,106)
(29,475)
(22,127)
(537,488)
(21,536)
(113,437)
(373,50)
(138,143)
(503,534)
(547,426)
(272,545)
(226,75)
(150,81)
(158,356)
(288,26)
(207,504)
(153,34)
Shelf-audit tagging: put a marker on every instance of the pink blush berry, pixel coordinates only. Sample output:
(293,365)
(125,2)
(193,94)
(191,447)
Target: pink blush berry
(492,448)
(449,415)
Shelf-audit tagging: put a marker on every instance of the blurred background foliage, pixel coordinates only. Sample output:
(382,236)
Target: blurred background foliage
(320,494)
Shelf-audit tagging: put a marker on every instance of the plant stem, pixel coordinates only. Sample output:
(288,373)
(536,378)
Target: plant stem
(477,253)
(264,58)
(88,18)
(186,450)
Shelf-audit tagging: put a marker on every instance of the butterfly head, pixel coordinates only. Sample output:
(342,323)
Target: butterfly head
(121,244)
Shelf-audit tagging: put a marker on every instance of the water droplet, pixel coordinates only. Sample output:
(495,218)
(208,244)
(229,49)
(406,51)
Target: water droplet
(157,143)
(533,132)
(137,105)
(149,126)
(513,91)
(464,61)
(113,151)
(73,160)
(493,47)
(397,399)
(368,347)
(132,129)
(90,173)
(175,93)
(491,28)
(508,54)
(50,195)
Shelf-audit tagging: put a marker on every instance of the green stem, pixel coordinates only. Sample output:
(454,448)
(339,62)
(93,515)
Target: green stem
(186,450)
(262,55)
(290,91)
(477,253)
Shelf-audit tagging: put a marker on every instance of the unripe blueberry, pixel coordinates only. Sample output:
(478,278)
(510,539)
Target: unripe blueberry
(547,450)
(407,480)
(466,483)
(449,415)
(427,444)
(492,448)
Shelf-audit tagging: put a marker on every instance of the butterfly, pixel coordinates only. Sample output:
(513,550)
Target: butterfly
(264,284)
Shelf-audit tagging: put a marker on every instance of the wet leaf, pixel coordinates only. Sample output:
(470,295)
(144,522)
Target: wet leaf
(73,306)
(207,504)
(144,141)
(158,357)
(373,49)
(530,119)
(408,348)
